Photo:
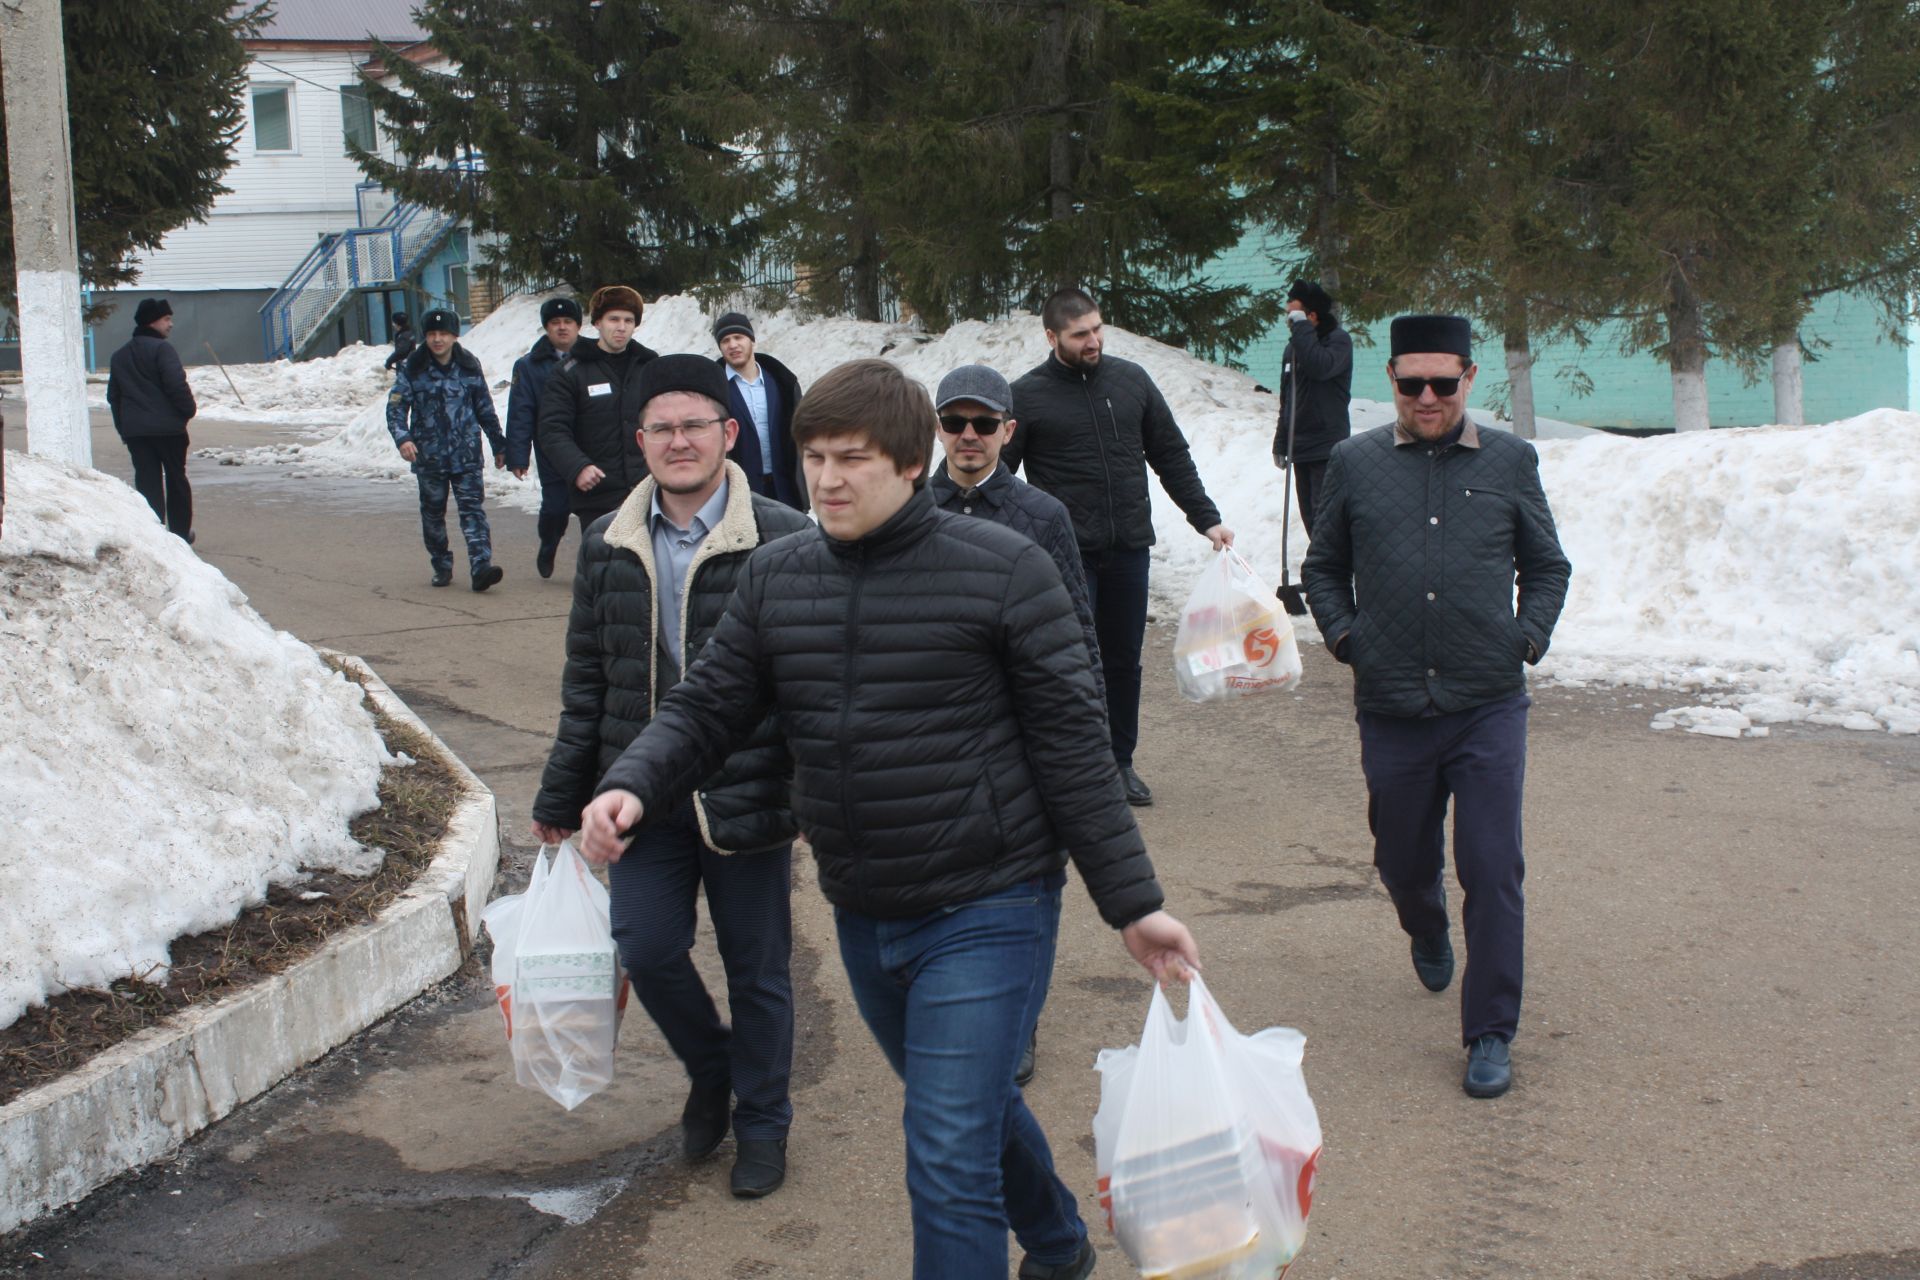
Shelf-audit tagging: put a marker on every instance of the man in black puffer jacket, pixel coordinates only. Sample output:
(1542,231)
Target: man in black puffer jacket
(1090,425)
(653,581)
(591,406)
(1317,378)
(950,755)
(152,404)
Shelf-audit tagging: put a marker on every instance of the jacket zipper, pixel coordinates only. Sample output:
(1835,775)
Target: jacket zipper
(1106,471)
(846,719)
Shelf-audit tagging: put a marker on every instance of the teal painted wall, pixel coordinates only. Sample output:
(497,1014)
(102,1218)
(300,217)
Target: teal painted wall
(1853,367)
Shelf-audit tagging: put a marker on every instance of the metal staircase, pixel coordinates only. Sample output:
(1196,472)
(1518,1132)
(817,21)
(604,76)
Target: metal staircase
(385,251)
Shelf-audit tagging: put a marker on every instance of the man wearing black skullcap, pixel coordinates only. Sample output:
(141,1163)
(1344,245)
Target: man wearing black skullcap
(560,320)
(1316,383)
(1424,528)
(152,404)
(654,578)
(761,393)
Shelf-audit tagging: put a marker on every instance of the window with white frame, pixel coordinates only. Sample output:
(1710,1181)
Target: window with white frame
(273,117)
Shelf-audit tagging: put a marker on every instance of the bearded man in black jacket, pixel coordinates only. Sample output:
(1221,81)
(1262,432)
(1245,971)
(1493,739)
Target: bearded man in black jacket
(949,758)
(591,406)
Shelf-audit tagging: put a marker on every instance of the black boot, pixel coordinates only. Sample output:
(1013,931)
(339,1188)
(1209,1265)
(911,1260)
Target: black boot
(704,1120)
(759,1167)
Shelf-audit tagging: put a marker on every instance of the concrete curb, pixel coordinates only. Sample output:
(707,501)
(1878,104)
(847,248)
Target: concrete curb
(144,1097)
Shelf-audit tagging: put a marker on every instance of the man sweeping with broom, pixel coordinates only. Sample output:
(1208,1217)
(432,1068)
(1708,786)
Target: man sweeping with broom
(1316,384)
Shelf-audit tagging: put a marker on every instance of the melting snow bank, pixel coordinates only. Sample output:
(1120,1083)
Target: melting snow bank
(303,393)
(165,755)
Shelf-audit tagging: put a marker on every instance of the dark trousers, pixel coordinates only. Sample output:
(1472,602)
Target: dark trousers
(1117,587)
(551,524)
(749,898)
(1306,489)
(160,475)
(1478,758)
(469,495)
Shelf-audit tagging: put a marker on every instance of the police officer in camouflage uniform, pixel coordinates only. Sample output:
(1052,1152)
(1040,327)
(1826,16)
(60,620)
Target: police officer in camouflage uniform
(442,388)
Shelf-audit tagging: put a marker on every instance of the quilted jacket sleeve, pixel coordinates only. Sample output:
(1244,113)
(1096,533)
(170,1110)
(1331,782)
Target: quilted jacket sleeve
(1542,569)
(573,765)
(1171,459)
(1057,540)
(556,422)
(1067,746)
(1327,572)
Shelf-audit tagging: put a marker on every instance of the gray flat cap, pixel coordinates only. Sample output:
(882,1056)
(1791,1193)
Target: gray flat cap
(975,382)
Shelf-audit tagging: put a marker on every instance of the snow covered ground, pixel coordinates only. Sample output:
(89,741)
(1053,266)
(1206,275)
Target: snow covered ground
(1759,576)
(165,755)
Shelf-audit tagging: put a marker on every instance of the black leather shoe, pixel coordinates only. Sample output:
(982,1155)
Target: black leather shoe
(1024,1072)
(704,1120)
(189,536)
(759,1167)
(1433,960)
(488,576)
(1079,1269)
(544,561)
(441,577)
(1137,793)
(1489,1068)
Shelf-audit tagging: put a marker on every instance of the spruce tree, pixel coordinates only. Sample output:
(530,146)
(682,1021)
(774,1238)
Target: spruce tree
(587,167)
(155,97)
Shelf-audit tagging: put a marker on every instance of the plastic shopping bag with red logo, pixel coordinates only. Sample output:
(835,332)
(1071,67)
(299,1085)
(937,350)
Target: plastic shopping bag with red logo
(1207,1145)
(1234,637)
(558,979)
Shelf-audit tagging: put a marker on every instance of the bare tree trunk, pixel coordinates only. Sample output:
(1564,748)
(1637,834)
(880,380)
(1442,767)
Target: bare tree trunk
(1328,244)
(1060,133)
(1789,402)
(865,289)
(1687,358)
(1519,369)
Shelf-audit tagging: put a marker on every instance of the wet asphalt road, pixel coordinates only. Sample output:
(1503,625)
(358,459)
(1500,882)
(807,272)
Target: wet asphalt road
(1718,1074)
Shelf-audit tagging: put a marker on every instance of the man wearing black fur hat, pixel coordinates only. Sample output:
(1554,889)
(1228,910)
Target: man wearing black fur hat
(1316,380)
(152,404)
(442,388)
(761,392)
(1424,528)
(560,320)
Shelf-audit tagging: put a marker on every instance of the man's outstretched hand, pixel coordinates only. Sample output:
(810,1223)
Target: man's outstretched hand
(1161,944)
(601,823)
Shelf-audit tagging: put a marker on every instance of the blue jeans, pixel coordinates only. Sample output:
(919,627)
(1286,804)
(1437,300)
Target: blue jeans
(1117,589)
(952,996)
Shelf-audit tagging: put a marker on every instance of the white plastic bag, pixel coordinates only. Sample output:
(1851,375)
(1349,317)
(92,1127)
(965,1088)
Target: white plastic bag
(558,978)
(1207,1145)
(1234,636)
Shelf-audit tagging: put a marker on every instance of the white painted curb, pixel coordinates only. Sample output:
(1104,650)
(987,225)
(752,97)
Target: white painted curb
(147,1095)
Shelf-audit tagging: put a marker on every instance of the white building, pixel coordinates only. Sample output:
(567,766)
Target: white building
(303,255)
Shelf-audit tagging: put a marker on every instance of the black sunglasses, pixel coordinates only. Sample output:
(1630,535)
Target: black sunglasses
(1442,387)
(984,425)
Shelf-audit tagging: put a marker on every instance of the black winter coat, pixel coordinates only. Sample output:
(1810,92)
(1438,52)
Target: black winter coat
(790,483)
(946,735)
(1087,439)
(403,345)
(1413,565)
(1318,375)
(613,679)
(530,374)
(147,388)
(589,416)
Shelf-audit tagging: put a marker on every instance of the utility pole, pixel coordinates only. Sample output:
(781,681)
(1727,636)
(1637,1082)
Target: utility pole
(33,66)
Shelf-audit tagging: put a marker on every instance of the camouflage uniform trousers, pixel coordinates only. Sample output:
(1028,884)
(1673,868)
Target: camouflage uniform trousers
(469,491)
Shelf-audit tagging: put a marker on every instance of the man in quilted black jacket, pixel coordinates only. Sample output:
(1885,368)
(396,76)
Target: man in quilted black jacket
(653,580)
(950,756)
(1424,529)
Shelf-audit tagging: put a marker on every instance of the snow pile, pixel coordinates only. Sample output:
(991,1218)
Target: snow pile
(302,393)
(165,755)
(1714,722)
(1775,571)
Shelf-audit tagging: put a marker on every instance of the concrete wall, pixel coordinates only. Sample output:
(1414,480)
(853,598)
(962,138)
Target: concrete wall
(1853,367)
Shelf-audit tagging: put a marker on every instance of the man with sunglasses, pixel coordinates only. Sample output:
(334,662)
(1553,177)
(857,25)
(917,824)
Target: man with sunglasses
(654,579)
(1424,529)
(975,405)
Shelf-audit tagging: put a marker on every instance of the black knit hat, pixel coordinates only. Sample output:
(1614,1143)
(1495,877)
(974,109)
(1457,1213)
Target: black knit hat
(697,374)
(1432,335)
(442,319)
(732,322)
(151,309)
(400,320)
(559,308)
(1311,296)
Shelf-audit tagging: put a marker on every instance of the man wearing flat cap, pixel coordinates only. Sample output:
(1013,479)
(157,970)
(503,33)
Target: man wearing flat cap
(1425,529)
(654,579)
(761,392)
(1316,385)
(560,329)
(151,402)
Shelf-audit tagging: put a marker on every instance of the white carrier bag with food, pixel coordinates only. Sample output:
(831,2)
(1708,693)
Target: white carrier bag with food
(1235,638)
(1206,1145)
(558,979)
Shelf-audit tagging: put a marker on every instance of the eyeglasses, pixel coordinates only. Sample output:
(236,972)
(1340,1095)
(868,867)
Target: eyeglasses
(1442,387)
(984,425)
(691,429)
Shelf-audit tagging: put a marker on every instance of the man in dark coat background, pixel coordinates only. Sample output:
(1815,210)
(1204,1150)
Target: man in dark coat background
(591,406)
(1317,376)
(1425,529)
(151,402)
(403,340)
(653,580)
(560,322)
(761,393)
